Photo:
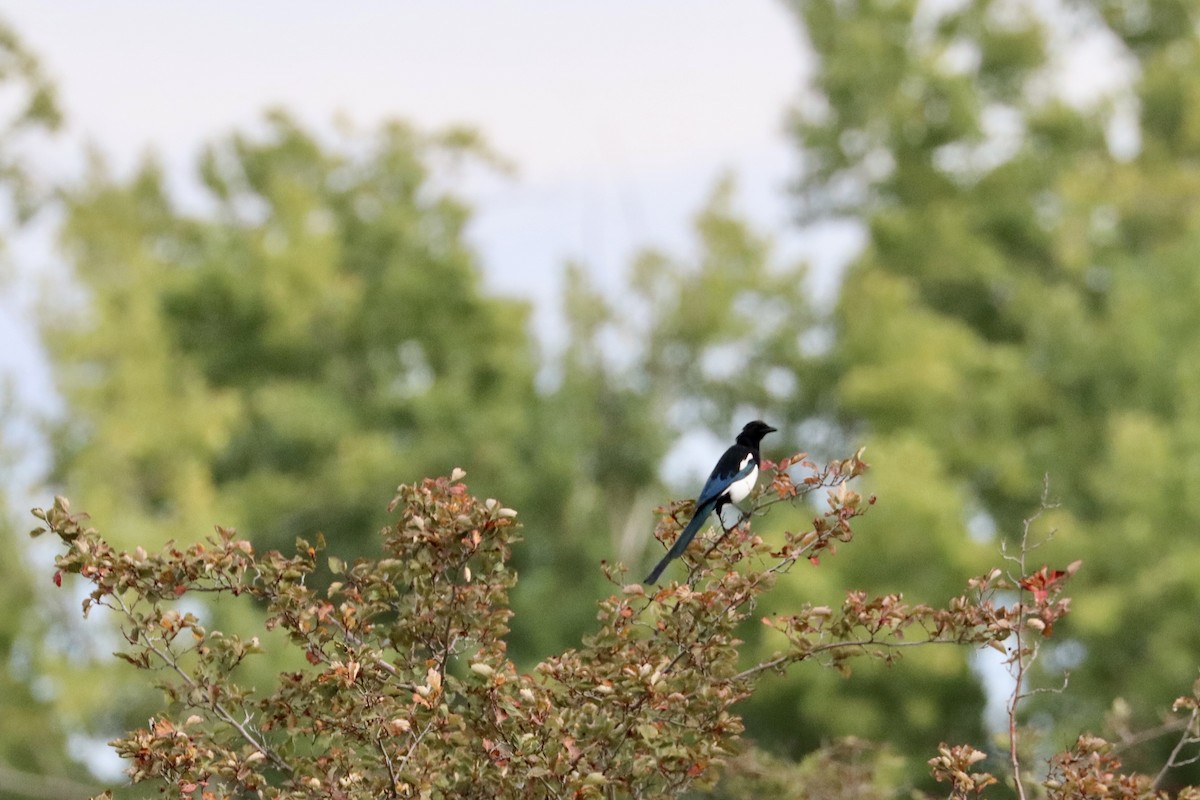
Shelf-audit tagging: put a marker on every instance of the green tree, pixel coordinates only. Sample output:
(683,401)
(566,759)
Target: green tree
(727,332)
(285,348)
(1025,304)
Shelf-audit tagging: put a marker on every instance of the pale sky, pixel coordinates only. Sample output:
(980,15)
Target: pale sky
(619,115)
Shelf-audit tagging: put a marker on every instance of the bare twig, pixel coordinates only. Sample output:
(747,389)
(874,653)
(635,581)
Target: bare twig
(387,762)
(1189,737)
(412,748)
(1131,740)
(1019,665)
(1022,656)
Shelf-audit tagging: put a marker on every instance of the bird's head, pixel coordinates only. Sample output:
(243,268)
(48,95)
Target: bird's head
(753,433)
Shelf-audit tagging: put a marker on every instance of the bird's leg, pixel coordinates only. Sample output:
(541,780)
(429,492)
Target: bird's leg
(724,531)
(743,517)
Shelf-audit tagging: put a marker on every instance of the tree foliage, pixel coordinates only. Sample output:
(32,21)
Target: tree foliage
(269,361)
(405,688)
(1024,306)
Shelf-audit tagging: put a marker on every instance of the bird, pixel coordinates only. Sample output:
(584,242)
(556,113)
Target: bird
(730,482)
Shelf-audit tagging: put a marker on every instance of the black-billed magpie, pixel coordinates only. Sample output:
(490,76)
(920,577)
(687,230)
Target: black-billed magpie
(731,480)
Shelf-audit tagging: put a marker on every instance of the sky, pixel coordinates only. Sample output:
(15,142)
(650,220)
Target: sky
(619,116)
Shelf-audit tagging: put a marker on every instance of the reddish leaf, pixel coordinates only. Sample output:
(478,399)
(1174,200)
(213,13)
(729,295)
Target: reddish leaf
(1041,583)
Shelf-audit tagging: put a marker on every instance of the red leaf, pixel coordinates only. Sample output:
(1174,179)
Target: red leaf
(1041,582)
(58,579)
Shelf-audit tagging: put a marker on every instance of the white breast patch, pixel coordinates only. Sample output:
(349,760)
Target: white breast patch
(739,489)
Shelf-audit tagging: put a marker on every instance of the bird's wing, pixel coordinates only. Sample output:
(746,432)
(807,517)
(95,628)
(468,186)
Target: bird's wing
(737,463)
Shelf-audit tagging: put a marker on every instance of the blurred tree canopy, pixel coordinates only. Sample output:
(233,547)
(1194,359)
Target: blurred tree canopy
(276,360)
(1026,302)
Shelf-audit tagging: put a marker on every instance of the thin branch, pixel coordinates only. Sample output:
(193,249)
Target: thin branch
(861,644)
(412,748)
(1014,758)
(1020,660)
(448,646)
(1187,738)
(1131,740)
(217,707)
(391,770)
(1048,689)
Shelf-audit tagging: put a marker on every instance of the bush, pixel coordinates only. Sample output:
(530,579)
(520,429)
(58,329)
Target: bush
(405,689)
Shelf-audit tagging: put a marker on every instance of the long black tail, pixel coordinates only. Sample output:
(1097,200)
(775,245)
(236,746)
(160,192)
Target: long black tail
(682,542)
